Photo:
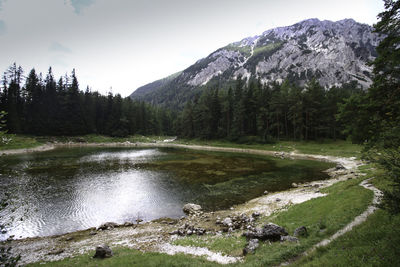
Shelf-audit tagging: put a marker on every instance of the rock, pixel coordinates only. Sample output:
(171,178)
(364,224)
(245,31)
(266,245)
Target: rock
(255,214)
(227,222)
(107,226)
(300,231)
(127,224)
(289,238)
(339,167)
(191,208)
(69,238)
(269,231)
(56,252)
(251,246)
(102,252)
(265,192)
(294,185)
(278,200)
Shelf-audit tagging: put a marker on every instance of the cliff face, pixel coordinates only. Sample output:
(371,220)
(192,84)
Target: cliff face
(333,52)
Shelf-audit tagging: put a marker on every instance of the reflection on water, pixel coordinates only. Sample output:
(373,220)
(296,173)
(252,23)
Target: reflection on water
(72,189)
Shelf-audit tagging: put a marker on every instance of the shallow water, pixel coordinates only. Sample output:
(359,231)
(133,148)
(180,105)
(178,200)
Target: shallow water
(73,189)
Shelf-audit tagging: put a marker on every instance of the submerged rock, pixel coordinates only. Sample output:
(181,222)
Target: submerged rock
(191,208)
(103,251)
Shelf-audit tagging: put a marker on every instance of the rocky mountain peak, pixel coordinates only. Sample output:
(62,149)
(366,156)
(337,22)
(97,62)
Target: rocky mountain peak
(333,52)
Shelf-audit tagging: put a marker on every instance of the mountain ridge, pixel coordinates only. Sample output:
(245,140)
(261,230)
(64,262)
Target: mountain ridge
(333,52)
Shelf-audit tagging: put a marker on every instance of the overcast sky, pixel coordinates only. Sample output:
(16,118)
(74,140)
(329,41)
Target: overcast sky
(124,44)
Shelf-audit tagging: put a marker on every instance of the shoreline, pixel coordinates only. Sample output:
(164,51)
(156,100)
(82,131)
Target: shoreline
(154,235)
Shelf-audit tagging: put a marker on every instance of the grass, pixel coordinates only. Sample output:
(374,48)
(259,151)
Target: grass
(230,245)
(322,217)
(325,147)
(373,243)
(129,257)
(20,141)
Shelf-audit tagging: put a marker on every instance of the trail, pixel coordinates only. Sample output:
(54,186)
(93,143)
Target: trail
(357,221)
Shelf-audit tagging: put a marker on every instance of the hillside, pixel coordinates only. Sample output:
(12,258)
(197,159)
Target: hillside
(333,52)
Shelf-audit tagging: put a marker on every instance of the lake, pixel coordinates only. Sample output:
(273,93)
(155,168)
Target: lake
(71,189)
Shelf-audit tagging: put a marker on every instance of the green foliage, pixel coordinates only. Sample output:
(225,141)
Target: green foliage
(375,116)
(265,113)
(245,50)
(4,140)
(266,48)
(44,107)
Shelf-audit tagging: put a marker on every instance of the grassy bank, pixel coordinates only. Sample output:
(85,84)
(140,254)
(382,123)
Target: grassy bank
(373,243)
(321,216)
(20,141)
(324,147)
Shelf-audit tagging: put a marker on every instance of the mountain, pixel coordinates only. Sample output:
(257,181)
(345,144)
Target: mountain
(333,52)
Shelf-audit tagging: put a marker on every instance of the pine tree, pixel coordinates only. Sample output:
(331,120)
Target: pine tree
(383,101)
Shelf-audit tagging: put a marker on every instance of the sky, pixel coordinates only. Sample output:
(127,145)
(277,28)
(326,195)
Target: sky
(120,45)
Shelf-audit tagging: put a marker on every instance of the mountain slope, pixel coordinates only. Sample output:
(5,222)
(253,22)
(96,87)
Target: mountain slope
(333,52)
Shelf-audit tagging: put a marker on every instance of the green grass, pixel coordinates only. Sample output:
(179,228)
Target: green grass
(130,257)
(373,243)
(230,245)
(20,141)
(326,147)
(322,217)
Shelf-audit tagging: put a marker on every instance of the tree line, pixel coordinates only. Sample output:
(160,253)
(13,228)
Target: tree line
(44,106)
(269,112)
(250,111)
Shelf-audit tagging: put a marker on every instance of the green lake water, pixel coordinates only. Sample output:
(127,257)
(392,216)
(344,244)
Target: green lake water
(72,189)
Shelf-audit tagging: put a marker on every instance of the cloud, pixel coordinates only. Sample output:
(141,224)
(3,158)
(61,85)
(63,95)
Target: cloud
(3,27)
(57,47)
(79,5)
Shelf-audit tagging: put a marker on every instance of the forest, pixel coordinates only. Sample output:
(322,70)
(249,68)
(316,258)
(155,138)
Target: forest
(250,112)
(44,106)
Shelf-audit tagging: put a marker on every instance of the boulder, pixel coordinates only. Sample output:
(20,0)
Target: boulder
(300,231)
(251,246)
(191,208)
(227,222)
(269,231)
(107,226)
(102,252)
(340,167)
